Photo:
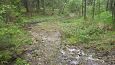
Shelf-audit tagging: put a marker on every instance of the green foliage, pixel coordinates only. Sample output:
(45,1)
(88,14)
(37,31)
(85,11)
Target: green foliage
(4,56)
(74,5)
(20,61)
(82,31)
(11,35)
(8,11)
(104,17)
(89,33)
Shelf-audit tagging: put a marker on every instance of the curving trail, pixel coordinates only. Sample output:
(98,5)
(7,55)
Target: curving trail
(48,49)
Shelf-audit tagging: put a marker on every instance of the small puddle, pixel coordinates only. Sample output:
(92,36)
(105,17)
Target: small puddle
(76,56)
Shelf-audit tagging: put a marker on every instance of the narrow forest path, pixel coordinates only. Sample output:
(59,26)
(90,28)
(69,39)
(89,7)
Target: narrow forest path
(48,49)
(46,44)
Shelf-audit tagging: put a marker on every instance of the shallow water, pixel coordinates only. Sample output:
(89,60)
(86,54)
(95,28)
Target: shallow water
(76,56)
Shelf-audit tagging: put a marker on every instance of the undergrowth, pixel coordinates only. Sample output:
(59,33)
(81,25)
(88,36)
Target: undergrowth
(11,38)
(97,33)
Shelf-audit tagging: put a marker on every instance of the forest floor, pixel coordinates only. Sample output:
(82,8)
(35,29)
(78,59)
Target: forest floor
(46,44)
(48,48)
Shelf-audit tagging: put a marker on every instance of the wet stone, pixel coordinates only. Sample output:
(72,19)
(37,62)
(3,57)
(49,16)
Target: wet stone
(74,63)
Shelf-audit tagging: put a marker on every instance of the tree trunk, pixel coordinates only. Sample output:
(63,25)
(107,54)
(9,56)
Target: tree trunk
(52,7)
(43,2)
(25,2)
(93,9)
(107,6)
(99,8)
(113,10)
(38,6)
(82,7)
(85,6)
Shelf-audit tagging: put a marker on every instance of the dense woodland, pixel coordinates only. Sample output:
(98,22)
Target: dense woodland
(90,19)
(52,7)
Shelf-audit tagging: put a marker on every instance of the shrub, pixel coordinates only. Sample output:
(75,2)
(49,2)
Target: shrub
(11,38)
